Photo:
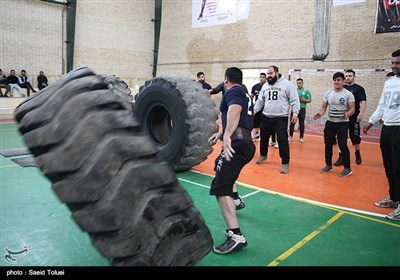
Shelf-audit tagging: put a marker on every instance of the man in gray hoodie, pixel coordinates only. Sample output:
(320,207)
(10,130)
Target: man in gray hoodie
(277,97)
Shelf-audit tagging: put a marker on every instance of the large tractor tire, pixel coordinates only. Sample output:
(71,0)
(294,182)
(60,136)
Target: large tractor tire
(107,170)
(177,113)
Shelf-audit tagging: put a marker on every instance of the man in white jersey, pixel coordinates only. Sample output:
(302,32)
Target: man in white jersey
(341,107)
(389,111)
(276,98)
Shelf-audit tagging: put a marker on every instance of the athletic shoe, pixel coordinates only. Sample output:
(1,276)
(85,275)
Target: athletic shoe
(339,161)
(394,215)
(239,203)
(276,145)
(233,242)
(255,136)
(285,168)
(301,140)
(290,138)
(387,203)
(326,169)
(261,159)
(271,144)
(345,172)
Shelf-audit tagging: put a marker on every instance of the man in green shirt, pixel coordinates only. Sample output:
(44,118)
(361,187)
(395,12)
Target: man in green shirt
(305,97)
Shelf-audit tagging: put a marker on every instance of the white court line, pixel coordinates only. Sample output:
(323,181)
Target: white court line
(309,201)
(193,183)
(207,187)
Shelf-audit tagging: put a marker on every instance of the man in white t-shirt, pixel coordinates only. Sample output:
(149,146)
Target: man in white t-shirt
(388,110)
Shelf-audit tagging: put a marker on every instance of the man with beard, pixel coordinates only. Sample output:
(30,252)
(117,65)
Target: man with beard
(276,98)
(389,111)
(201,78)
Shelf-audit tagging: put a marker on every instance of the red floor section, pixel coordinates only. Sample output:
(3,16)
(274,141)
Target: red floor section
(360,190)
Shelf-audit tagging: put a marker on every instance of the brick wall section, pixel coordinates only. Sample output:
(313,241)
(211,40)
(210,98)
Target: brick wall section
(276,33)
(31,38)
(112,37)
(116,37)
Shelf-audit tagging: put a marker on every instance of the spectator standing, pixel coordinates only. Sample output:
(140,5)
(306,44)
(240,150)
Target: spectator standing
(354,121)
(25,83)
(238,149)
(3,84)
(201,78)
(42,80)
(13,82)
(341,107)
(304,98)
(277,96)
(388,76)
(388,110)
(255,90)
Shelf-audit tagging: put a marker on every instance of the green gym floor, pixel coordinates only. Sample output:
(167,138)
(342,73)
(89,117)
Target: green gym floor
(37,230)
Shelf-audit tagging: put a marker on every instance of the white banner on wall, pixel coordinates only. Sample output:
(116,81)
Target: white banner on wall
(346,2)
(216,12)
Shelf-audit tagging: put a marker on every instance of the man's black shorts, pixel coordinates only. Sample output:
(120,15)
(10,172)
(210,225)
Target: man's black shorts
(227,172)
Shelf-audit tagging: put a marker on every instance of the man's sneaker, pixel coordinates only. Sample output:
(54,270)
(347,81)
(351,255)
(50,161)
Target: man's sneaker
(358,158)
(271,144)
(285,168)
(345,172)
(326,169)
(239,203)
(255,136)
(394,215)
(233,242)
(301,140)
(276,145)
(261,159)
(387,203)
(290,138)
(339,161)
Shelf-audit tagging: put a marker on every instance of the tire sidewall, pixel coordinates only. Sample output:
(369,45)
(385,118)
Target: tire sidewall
(150,100)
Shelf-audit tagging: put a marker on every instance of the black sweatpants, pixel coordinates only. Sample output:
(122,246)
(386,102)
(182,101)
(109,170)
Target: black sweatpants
(390,148)
(279,125)
(331,130)
(301,117)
